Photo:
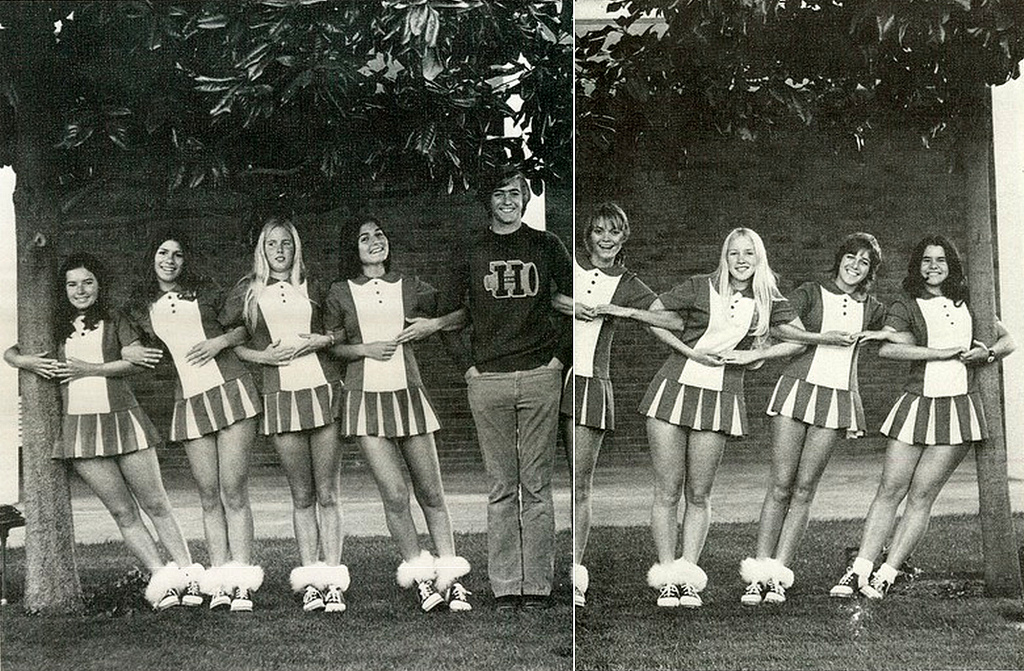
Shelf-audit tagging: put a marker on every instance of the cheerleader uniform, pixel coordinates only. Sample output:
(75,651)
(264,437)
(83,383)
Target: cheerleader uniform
(819,387)
(594,404)
(102,417)
(688,393)
(208,397)
(382,398)
(940,404)
(301,394)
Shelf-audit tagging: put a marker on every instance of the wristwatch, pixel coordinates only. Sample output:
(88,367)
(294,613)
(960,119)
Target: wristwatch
(991,357)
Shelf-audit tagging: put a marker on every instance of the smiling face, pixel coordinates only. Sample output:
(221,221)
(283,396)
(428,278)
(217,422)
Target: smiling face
(279,248)
(605,242)
(741,257)
(82,288)
(507,203)
(934,267)
(853,269)
(373,244)
(168,262)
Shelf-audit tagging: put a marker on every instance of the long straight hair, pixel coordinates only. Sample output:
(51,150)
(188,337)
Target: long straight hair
(260,275)
(764,282)
(953,287)
(191,281)
(349,265)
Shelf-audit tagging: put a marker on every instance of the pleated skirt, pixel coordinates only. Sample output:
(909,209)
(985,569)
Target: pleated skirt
(696,408)
(818,406)
(943,420)
(388,414)
(215,409)
(289,411)
(107,434)
(595,403)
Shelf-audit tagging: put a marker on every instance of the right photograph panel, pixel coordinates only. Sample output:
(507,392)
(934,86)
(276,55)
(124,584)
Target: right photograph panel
(797,244)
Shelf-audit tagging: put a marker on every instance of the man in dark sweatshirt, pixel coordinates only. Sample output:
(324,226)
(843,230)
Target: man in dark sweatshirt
(506,275)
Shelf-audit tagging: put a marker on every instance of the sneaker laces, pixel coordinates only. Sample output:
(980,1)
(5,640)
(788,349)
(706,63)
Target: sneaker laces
(849,578)
(669,592)
(333,594)
(312,594)
(753,589)
(242,593)
(775,586)
(687,589)
(881,585)
(457,592)
(192,589)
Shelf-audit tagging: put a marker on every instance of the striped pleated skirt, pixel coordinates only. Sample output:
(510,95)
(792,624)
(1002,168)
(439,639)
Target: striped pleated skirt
(215,409)
(696,408)
(595,404)
(106,434)
(388,414)
(288,411)
(818,406)
(943,420)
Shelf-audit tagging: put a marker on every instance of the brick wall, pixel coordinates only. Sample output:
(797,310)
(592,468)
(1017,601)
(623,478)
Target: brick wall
(117,223)
(802,196)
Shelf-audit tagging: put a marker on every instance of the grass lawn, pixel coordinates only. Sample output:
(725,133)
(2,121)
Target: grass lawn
(382,629)
(937,618)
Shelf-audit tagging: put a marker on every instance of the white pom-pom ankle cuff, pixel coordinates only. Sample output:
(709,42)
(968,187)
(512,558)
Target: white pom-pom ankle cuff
(580,577)
(413,570)
(449,569)
(165,578)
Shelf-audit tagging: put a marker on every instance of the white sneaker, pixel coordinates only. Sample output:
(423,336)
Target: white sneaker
(752,596)
(334,600)
(170,599)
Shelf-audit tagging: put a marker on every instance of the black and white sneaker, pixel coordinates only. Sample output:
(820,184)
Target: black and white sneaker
(241,602)
(753,595)
(457,597)
(170,599)
(847,586)
(876,587)
(334,600)
(668,596)
(192,595)
(312,599)
(219,599)
(689,597)
(428,595)
(774,592)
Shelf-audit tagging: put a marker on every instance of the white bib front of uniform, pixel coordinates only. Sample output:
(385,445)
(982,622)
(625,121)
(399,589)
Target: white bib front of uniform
(830,366)
(380,311)
(178,323)
(593,287)
(288,312)
(948,326)
(87,395)
(728,323)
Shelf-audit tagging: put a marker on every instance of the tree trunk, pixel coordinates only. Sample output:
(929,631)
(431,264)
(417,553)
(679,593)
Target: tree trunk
(1002,567)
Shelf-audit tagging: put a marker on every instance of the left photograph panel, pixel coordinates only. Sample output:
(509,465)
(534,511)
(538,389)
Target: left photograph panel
(287,334)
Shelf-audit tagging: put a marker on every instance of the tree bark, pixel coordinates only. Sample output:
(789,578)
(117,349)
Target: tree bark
(1002,566)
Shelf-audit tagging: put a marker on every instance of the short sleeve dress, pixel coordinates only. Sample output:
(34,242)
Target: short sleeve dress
(303,393)
(210,397)
(690,394)
(382,398)
(594,402)
(102,417)
(819,387)
(940,404)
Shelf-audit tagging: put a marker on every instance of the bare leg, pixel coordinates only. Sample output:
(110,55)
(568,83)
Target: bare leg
(234,443)
(293,450)
(385,463)
(202,458)
(587,447)
(816,453)
(668,455)
(933,470)
(106,481)
(787,444)
(702,459)
(566,424)
(326,453)
(420,454)
(142,473)
(900,462)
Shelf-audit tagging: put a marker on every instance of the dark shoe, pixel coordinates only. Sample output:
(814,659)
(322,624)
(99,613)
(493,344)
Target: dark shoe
(536,602)
(507,603)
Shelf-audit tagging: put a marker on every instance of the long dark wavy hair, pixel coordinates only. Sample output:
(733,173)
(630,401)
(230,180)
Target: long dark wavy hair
(955,284)
(147,287)
(66,313)
(852,244)
(349,265)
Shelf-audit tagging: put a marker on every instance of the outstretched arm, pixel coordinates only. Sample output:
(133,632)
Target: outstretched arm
(656,315)
(42,364)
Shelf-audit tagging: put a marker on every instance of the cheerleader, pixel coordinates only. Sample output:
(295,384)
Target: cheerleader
(935,420)
(281,311)
(214,409)
(107,438)
(386,408)
(696,399)
(600,278)
(815,400)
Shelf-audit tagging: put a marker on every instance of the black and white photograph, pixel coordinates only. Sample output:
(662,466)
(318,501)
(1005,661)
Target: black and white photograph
(287,349)
(803,447)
